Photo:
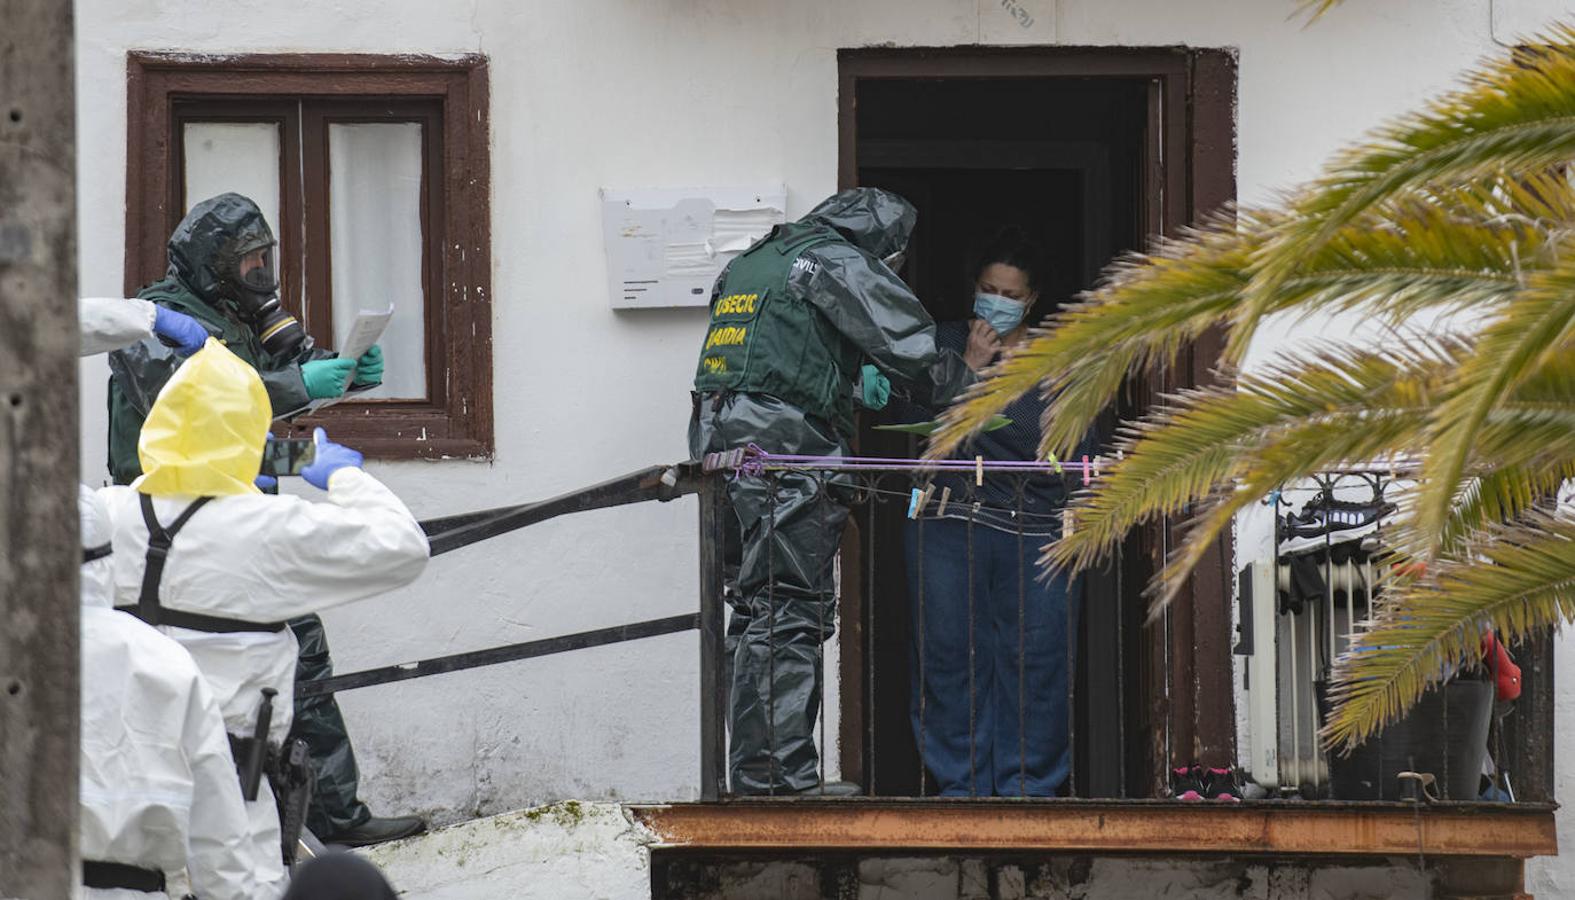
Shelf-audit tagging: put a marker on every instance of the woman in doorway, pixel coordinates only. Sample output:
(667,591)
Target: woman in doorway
(992,633)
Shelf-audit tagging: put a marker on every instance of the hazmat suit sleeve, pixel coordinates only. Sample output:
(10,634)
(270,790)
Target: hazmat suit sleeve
(220,857)
(946,380)
(142,369)
(363,541)
(871,307)
(109,323)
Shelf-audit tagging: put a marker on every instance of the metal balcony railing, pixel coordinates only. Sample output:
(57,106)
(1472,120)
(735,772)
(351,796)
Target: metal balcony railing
(1132,684)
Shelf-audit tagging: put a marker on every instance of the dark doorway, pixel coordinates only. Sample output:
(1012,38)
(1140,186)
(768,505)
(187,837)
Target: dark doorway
(1072,147)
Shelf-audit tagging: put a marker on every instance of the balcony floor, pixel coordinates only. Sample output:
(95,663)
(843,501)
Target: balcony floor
(1270,828)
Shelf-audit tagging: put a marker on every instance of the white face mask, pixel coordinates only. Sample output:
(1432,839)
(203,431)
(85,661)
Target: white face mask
(1003,313)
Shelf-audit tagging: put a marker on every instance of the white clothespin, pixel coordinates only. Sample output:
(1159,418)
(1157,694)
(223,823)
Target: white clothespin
(946,496)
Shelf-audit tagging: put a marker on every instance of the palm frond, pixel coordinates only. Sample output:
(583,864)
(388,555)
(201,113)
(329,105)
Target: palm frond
(1516,114)
(1529,333)
(1500,495)
(1513,578)
(1314,9)
(1348,403)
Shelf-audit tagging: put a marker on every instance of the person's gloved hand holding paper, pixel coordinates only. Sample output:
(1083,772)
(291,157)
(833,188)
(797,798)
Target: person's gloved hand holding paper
(369,367)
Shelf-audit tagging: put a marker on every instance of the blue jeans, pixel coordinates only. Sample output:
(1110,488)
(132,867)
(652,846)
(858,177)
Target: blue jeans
(1010,737)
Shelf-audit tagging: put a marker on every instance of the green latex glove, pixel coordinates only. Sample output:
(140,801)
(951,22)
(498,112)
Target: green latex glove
(325,378)
(369,368)
(876,387)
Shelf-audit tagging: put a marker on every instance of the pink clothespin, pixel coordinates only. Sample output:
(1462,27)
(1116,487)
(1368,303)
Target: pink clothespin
(1085,470)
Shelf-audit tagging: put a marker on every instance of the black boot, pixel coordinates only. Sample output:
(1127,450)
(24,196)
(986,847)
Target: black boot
(377,830)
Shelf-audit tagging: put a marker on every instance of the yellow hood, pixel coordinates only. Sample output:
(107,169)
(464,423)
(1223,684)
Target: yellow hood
(204,436)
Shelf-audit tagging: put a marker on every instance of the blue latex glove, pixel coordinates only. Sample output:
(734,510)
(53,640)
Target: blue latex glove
(186,333)
(875,386)
(325,378)
(369,368)
(265,482)
(331,457)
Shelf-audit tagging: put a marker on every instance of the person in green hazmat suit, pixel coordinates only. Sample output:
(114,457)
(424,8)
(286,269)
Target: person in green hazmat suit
(222,274)
(808,319)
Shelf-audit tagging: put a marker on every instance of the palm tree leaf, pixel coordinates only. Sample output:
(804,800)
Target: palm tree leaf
(1514,578)
(1514,115)
(1500,495)
(1531,332)
(1196,447)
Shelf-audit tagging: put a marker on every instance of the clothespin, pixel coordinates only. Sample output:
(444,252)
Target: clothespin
(915,501)
(1098,461)
(1066,521)
(1274,497)
(1085,470)
(924,498)
(978,471)
(1054,463)
(946,496)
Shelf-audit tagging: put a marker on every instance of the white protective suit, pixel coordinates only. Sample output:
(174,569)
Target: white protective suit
(158,786)
(109,323)
(247,555)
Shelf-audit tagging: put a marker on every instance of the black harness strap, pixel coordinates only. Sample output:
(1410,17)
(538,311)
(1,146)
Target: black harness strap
(109,876)
(148,609)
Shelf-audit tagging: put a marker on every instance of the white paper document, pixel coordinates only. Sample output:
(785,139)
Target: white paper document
(364,332)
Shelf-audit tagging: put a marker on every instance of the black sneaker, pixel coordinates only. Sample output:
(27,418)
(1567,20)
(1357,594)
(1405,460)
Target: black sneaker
(1187,783)
(1221,786)
(1325,521)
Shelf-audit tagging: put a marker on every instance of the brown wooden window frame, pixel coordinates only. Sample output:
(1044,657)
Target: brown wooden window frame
(305,93)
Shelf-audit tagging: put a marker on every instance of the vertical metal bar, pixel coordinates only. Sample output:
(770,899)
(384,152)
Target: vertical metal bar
(1322,675)
(1170,669)
(820,640)
(774,483)
(1121,665)
(1328,570)
(1312,701)
(713,714)
(919,555)
(870,601)
(1022,645)
(1292,686)
(973,697)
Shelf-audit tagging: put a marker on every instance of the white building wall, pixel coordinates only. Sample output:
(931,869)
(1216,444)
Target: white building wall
(663,93)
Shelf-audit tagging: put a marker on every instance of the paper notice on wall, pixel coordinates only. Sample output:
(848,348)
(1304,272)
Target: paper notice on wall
(665,247)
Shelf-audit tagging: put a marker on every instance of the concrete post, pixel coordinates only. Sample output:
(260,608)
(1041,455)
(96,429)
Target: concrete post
(39,546)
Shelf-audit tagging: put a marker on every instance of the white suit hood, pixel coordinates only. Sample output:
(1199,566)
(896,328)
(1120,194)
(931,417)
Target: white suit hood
(94,518)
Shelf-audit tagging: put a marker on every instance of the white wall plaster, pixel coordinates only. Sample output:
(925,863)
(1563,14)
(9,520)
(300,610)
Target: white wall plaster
(567,851)
(718,92)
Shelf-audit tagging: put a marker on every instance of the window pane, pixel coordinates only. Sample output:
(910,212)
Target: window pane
(239,157)
(375,230)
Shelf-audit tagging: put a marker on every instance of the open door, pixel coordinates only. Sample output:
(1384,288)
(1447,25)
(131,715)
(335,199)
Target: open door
(1090,151)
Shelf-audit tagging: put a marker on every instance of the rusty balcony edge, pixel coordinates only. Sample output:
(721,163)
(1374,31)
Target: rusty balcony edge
(1271,828)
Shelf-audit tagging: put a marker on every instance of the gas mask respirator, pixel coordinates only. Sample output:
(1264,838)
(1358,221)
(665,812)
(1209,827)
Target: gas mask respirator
(256,295)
